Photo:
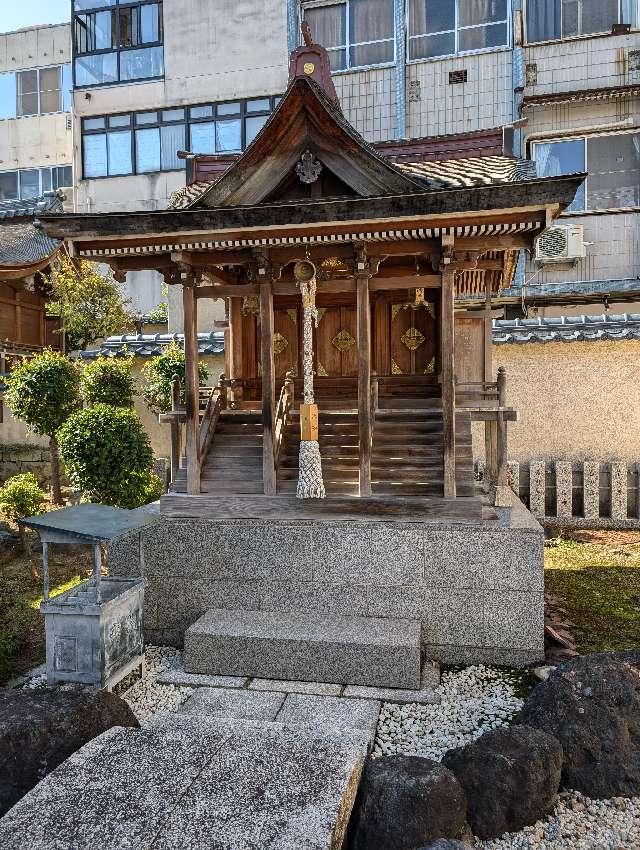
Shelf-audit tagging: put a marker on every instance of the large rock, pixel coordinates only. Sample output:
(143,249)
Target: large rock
(40,728)
(405,802)
(591,704)
(510,776)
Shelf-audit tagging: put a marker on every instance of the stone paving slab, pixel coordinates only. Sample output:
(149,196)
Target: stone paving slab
(244,785)
(323,689)
(240,704)
(179,676)
(330,712)
(373,651)
(391,694)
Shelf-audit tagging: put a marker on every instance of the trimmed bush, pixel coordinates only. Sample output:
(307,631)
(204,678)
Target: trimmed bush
(43,391)
(108,380)
(159,374)
(22,496)
(107,454)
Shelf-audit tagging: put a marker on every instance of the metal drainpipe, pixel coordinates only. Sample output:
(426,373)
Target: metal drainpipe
(292,25)
(518,74)
(399,15)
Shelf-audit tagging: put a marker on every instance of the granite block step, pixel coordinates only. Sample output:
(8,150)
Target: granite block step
(378,652)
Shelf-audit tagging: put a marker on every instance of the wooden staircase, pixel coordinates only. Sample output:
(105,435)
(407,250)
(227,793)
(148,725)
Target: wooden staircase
(407,453)
(233,464)
(406,457)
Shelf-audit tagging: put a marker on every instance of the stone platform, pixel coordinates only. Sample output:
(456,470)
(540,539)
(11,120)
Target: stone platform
(475,587)
(245,785)
(374,651)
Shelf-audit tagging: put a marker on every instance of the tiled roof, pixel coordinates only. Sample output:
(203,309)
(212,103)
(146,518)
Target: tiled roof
(50,202)
(22,244)
(182,198)
(533,291)
(151,345)
(470,171)
(623,326)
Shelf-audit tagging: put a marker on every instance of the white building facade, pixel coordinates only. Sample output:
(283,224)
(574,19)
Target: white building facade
(153,78)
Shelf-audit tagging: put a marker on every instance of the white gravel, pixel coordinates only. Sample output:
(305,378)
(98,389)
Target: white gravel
(145,696)
(578,823)
(473,701)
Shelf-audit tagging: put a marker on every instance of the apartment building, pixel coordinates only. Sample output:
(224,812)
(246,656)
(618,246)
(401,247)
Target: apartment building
(36,138)
(154,78)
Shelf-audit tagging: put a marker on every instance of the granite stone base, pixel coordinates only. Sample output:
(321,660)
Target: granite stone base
(477,590)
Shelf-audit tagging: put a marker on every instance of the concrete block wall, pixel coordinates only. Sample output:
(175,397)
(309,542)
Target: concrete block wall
(477,589)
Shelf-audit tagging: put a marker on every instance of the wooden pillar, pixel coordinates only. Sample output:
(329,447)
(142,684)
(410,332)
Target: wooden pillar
(268,387)
(364,382)
(234,359)
(448,381)
(192,385)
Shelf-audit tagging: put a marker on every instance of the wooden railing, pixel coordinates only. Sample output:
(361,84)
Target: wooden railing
(282,415)
(487,402)
(216,403)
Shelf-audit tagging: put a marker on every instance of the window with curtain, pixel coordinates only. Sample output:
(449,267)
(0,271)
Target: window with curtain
(555,19)
(448,27)
(148,142)
(356,33)
(612,163)
(117,41)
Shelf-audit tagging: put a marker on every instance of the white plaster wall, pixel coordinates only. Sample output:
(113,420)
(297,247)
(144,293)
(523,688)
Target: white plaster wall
(483,102)
(40,140)
(210,310)
(14,431)
(126,194)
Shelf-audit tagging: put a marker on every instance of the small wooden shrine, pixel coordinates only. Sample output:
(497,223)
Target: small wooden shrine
(399,372)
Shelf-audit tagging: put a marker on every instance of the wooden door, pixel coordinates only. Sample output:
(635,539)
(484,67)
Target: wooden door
(413,339)
(336,347)
(286,323)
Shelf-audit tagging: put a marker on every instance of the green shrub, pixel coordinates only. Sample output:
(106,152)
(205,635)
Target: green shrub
(108,380)
(143,488)
(107,454)
(22,496)
(159,374)
(43,391)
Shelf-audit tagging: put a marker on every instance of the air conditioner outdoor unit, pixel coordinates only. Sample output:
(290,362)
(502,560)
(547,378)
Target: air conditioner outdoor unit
(561,243)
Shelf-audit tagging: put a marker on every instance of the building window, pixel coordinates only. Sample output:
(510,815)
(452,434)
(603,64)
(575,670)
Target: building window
(34,182)
(38,91)
(356,33)
(612,163)
(555,19)
(148,142)
(116,41)
(447,27)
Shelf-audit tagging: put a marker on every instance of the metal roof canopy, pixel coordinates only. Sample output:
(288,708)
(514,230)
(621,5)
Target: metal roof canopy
(88,523)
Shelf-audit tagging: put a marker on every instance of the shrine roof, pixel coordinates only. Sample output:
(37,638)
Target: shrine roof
(22,243)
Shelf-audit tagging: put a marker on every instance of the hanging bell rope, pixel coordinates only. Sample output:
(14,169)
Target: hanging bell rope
(310,483)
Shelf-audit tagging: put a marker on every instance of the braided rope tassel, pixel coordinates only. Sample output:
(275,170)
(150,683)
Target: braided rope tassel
(310,483)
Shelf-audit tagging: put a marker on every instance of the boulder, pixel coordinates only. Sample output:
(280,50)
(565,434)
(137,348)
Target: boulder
(405,802)
(510,776)
(591,704)
(40,728)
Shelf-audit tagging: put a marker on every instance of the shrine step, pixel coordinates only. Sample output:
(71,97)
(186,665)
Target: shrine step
(305,647)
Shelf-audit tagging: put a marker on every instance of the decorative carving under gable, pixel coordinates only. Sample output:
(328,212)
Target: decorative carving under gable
(412,338)
(280,343)
(343,341)
(309,168)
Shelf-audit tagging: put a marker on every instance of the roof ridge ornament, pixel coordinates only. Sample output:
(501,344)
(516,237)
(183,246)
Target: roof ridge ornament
(309,168)
(312,61)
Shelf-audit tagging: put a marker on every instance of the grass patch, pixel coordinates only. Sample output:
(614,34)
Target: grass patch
(596,577)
